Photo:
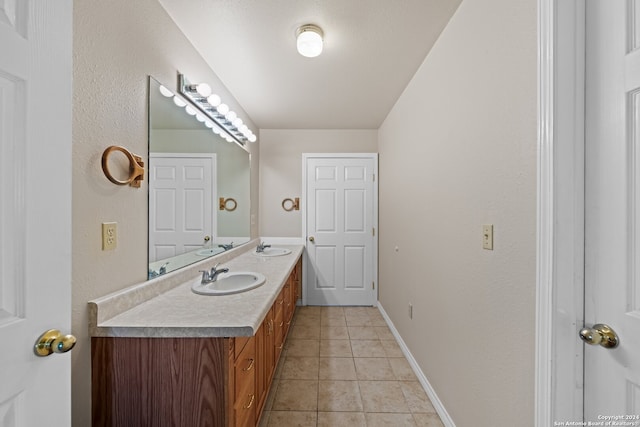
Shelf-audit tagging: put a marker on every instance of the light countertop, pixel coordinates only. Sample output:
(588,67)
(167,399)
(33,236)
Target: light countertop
(178,312)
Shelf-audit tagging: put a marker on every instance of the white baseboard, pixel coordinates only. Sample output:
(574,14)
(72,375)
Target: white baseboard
(437,404)
(282,240)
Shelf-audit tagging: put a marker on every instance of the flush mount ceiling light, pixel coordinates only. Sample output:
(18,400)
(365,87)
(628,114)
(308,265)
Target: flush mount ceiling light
(309,40)
(210,104)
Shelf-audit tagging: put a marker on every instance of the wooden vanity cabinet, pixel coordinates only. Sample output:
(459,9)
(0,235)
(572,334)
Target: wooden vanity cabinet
(190,381)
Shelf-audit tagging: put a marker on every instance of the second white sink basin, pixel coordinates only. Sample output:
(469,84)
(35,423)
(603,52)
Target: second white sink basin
(273,252)
(209,252)
(229,283)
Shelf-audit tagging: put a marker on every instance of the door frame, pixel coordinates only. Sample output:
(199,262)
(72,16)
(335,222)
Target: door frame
(560,212)
(303,208)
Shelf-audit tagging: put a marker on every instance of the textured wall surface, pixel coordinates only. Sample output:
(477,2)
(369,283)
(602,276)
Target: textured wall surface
(281,169)
(457,151)
(117,45)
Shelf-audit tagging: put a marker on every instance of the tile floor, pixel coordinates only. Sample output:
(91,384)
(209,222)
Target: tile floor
(341,366)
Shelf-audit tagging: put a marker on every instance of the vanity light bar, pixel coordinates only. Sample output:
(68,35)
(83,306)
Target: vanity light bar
(212,107)
(190,110)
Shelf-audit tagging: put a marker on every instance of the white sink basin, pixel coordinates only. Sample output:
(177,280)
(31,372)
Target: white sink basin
(273,252)
(209,252)
(229,283)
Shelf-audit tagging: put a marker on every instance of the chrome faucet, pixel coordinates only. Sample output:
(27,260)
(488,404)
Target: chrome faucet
(261,247)
(162,270)
(226,247)
(212,276)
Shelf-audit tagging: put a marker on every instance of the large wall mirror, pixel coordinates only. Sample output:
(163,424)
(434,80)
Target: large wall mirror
(199,186)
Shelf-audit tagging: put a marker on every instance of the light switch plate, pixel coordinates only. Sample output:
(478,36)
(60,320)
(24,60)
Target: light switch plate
(487,237)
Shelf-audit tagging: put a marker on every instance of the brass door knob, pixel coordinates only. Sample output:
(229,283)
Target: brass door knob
(600,334)
(52,341)
(207,238)
(312,239)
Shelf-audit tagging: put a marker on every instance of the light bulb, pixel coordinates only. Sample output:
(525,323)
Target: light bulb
(231,116)
(208,124)
(190,110)
(214,100)
(203,90)
(215,130)
(165,92)
(252,138)
(223,109)
(309,40)
(179,102)
(200,117)
(237,122)
(244,129)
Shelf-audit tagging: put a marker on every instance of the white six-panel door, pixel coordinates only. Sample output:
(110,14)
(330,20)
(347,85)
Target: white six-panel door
(612,207)
(35,208)
(340,230)
(181,196)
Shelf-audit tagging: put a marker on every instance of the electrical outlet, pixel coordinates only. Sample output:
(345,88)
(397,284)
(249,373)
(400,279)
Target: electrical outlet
(109,236)
(410,311)
(487,237)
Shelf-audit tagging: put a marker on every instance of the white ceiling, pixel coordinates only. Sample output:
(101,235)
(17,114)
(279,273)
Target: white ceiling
(372,49)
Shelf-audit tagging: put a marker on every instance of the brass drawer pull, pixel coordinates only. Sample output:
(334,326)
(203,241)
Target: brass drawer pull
(253,397)
(251,363)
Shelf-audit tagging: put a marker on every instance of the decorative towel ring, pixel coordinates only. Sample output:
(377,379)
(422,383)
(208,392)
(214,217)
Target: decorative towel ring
(136,167)
(230,201)
(291,204)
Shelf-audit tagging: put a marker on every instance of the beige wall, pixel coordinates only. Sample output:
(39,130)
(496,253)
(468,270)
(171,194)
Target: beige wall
(457,151)
(281,169)
(117,44)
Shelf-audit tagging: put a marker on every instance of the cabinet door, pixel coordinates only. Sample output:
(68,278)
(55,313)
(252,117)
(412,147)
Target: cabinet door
(297,281)
(269,345)
(262,374)
(278,321)
(288,307)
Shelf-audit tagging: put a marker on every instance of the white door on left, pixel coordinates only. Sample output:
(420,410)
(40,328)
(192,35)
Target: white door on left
(35,208)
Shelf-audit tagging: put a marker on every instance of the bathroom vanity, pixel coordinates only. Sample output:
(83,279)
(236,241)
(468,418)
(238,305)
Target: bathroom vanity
(174,358)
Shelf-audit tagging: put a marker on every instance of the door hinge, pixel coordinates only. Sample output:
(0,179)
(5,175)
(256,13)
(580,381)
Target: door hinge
(374,177)
(373,231)
(373,285)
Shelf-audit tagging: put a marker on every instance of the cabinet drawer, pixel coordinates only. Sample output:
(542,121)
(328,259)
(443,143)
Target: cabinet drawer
(238,345)
(245,367)
(245,399)
(245,409)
